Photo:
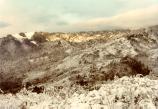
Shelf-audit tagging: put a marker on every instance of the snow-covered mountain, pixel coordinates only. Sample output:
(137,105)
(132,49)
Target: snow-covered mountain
(73,67)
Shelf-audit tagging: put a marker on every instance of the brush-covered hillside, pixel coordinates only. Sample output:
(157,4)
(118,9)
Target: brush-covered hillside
(115,69)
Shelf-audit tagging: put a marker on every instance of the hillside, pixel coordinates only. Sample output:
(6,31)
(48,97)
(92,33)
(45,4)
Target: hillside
(83,70)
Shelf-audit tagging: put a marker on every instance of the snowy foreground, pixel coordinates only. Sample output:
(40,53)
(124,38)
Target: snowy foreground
(123,93)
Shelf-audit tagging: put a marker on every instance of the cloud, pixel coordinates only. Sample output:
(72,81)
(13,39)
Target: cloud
(131,19)
(61,23)
(3,24)
(71,15)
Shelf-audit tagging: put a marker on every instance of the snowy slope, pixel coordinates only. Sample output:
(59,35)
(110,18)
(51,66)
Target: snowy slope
(79,70)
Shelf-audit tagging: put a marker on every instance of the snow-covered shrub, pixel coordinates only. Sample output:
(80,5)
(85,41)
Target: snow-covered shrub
(123,93)
(127,66)
(126,92)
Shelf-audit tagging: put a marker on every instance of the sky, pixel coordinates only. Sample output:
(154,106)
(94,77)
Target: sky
(75,15)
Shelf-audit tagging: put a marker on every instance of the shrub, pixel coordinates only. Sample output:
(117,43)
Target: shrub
(11,86)
(127,66)
(39,38)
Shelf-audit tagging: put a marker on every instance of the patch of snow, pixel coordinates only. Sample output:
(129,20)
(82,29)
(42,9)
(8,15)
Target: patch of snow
(20,38)
(69,62)
(34,75)
(29,34)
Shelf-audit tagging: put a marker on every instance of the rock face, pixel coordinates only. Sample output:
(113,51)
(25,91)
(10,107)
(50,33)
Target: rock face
(81,59)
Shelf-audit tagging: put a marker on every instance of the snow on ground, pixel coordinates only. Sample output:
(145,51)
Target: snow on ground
(28,36)
(123,93)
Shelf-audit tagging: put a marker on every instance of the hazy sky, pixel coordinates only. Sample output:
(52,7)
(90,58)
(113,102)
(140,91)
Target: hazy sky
(75,15)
